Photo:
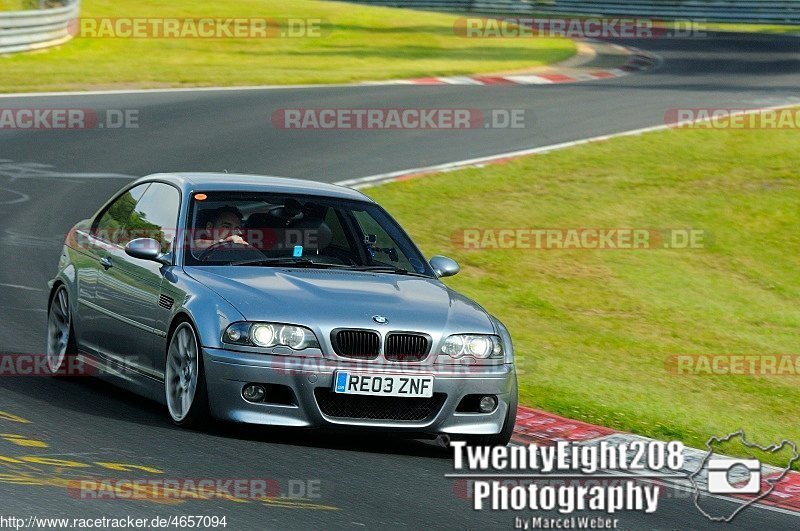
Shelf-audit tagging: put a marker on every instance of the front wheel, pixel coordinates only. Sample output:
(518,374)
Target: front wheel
(184,381)
(498,439)
(60,339)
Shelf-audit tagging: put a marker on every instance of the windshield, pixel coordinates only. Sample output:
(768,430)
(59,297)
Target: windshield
(267,229)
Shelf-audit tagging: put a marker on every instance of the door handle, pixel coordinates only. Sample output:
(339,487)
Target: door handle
(106,263)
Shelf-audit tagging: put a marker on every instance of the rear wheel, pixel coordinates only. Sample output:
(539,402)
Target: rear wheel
(184,380)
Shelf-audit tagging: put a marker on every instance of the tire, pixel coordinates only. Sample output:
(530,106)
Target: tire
(60,335)
(498,439)
(184,379)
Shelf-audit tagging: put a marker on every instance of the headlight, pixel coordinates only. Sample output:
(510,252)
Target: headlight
(478,346)
(270,335)
(263,335)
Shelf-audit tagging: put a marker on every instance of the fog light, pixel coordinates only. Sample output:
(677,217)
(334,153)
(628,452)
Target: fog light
(254,393)
(487,404)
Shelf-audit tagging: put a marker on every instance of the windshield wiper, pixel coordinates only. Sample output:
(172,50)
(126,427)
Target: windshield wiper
(305,262)
(387,269)
(293,262)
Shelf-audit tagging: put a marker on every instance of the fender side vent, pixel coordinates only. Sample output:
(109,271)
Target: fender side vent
(166,302)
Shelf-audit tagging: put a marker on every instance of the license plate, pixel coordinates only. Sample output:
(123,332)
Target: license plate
(356,383)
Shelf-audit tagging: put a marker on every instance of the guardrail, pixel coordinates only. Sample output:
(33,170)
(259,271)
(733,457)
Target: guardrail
(22,31)
(758,11)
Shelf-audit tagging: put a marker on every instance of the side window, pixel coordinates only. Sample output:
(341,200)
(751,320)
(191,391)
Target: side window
(379,244)
(111,226)
(339,236)
(156,215)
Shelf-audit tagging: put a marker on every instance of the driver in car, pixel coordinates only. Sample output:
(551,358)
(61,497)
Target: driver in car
(223,225)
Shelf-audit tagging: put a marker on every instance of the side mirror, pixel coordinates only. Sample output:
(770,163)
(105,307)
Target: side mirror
(146,249)
(443,266)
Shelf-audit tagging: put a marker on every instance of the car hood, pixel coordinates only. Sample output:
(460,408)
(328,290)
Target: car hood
(324,299)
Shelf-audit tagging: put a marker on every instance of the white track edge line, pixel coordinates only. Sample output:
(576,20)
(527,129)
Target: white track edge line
(381,178)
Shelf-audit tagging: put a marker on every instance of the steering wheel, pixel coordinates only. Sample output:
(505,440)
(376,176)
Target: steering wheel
(224,245)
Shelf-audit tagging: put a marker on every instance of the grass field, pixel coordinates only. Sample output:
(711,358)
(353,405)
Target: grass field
(15,5)
(593,328)
(753,28)
(356,43)
(702,25)
(739,27)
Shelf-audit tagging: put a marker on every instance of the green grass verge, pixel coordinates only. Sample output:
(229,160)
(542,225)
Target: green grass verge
(15,5)
(357,43)
(702,25)
(750,28)
(592,329)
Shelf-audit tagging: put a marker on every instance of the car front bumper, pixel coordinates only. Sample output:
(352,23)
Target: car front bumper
(228,371)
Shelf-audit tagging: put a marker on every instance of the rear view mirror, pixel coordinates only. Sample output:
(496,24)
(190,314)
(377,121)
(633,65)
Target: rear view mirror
(444,266)
(146,249)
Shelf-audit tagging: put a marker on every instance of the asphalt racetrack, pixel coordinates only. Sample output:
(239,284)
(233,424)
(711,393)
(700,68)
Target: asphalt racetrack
(51,179)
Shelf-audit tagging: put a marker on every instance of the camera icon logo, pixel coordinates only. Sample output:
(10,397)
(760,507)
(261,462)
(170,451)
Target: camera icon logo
(734,476)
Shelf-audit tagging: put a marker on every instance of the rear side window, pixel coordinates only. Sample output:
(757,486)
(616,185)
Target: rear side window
(156,215)
(112,224)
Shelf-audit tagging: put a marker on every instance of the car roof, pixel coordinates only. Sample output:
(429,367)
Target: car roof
(233,182)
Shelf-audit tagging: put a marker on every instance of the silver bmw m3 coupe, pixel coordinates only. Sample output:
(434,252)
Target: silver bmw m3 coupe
(277,302)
